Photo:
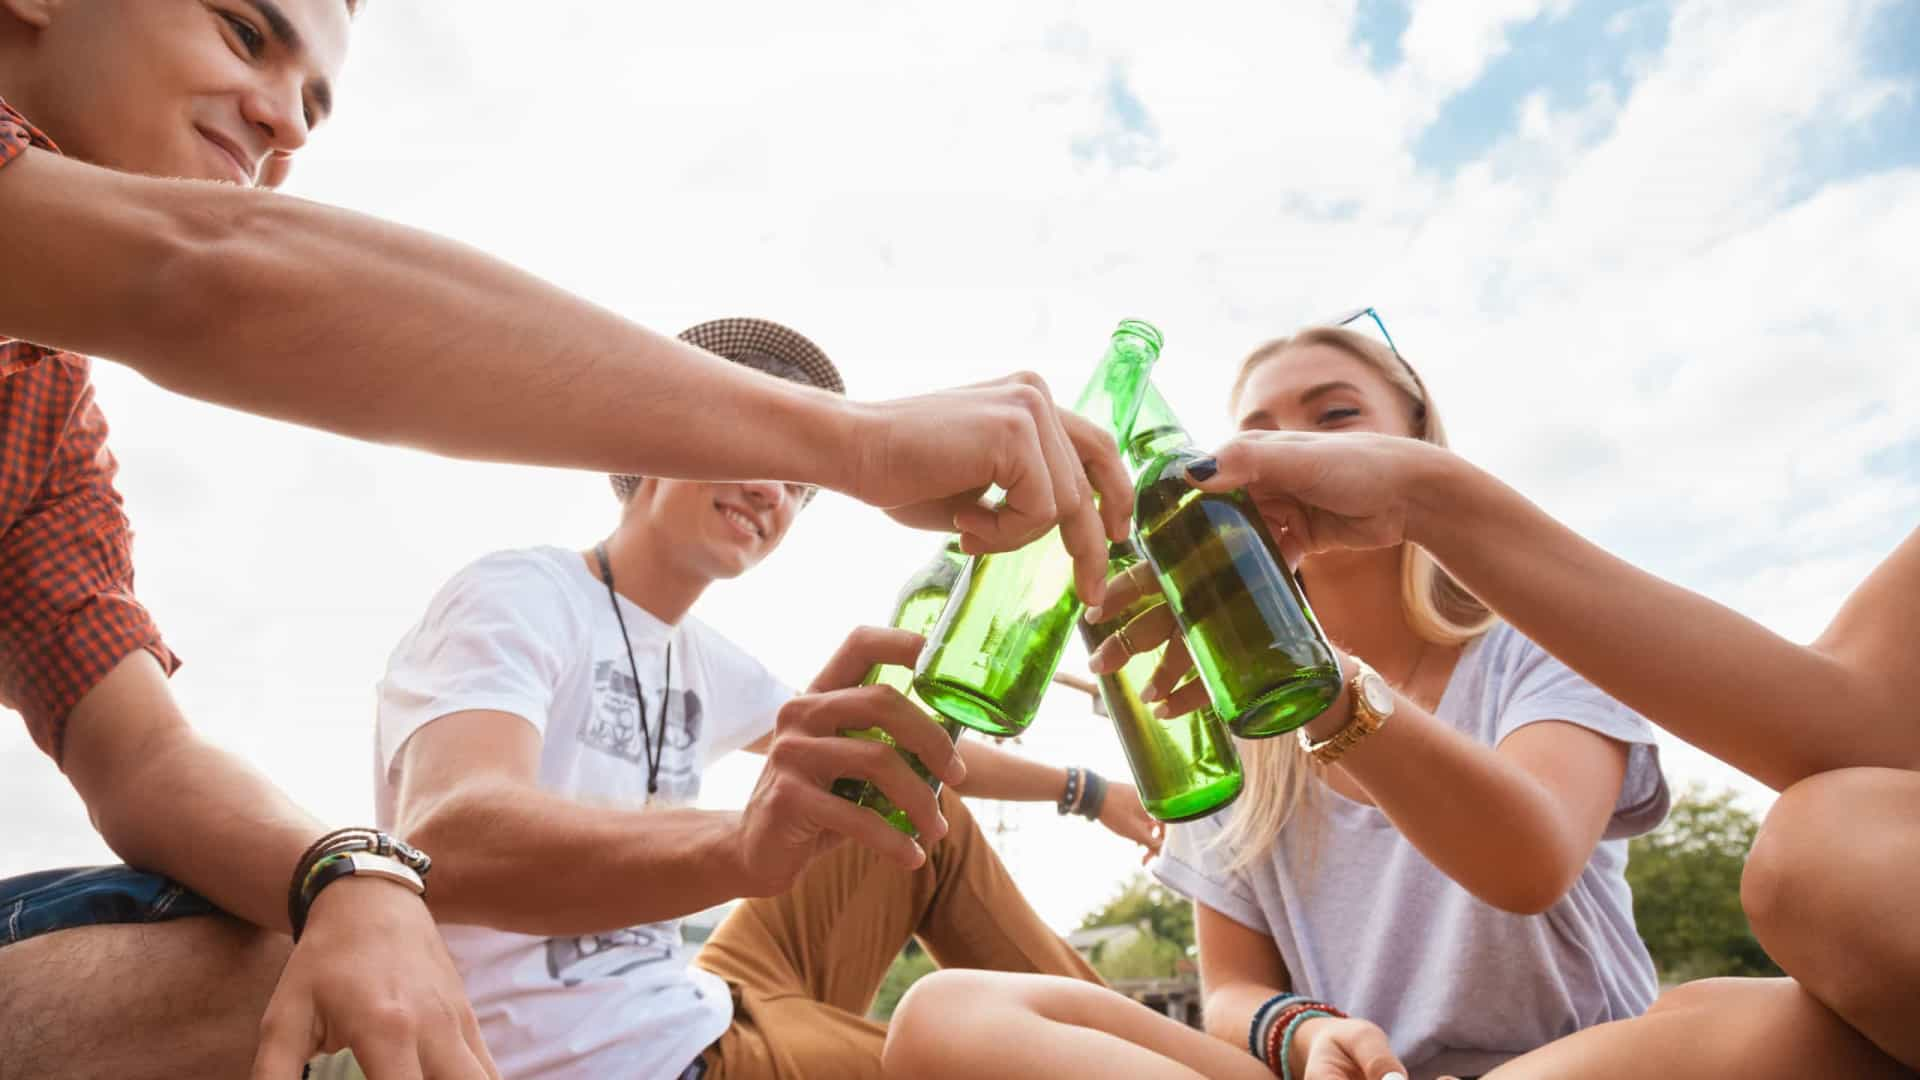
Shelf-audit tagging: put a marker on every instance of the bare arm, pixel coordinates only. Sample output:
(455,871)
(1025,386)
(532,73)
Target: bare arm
(470,794)
(1712,676)
(993,773)
(1239,969)
(1514,825)
(166,800)
(511,856)
(1777,710)
(320,316)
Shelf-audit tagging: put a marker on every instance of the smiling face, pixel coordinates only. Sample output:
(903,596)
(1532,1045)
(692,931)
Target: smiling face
(716,531)
(200,89)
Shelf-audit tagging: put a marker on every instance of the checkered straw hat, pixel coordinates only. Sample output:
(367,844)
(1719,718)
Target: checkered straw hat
(761,345)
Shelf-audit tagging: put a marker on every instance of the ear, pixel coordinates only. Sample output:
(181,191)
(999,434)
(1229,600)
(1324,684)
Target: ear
(35,13)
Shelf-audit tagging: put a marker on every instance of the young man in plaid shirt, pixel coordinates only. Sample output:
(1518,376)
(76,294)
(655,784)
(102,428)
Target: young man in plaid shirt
(231,295)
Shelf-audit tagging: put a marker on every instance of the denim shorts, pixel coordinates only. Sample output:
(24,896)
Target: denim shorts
(40,903)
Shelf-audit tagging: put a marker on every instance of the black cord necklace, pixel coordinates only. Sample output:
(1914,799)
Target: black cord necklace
(655,749)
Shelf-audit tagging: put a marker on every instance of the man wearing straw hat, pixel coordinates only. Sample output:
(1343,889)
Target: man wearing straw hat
(543,730)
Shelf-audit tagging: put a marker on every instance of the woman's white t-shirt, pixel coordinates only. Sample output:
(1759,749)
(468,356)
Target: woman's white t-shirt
(1366,923)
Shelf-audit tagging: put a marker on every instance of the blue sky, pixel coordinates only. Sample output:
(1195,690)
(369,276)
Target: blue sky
(1567,53)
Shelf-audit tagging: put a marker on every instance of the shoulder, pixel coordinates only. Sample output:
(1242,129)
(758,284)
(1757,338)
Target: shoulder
(526,581)
(719,650)
(1504,657)
(522,567)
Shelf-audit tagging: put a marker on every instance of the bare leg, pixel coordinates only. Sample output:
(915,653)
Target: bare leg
(958,1025)
(1833,891)
(140,1001)
(1736,1029)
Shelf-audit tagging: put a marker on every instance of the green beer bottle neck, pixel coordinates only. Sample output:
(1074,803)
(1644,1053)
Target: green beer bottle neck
(1156,430)
(1113,394)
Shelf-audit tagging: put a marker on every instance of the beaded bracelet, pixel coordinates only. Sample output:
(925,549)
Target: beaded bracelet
(1280,1040)
(1070,798)
(1256,1031)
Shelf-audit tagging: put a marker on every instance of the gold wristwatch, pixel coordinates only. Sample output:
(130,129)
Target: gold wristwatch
(1372,702)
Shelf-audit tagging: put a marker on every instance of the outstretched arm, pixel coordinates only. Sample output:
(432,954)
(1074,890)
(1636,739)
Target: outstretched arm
(1777,710)
(325,317)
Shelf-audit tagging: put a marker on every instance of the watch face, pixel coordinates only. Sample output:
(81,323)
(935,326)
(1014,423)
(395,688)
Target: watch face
(1378,696)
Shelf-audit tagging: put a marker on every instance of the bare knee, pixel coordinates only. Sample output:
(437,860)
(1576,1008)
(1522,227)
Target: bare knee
(1805,850)
(956,1005)
(921,1026)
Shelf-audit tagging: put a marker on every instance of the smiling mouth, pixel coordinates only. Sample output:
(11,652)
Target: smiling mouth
(241,174)
(741,521)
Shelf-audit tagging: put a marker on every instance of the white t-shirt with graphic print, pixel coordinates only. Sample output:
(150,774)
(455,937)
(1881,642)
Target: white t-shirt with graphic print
(532,633)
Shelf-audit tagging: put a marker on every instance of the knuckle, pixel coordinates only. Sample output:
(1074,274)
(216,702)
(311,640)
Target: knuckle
(389,1020)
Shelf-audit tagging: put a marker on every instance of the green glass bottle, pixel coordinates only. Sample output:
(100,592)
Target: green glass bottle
(1184,767)
(921,601)
(1257,647)
(989,661)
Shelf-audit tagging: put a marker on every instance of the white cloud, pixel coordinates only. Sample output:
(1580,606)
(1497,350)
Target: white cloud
(1624,307)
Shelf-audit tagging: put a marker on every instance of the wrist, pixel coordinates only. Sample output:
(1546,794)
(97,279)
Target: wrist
(849,428)
(1336,715)
(1302,1045)
(1439,483)
(365,902)
(729,858)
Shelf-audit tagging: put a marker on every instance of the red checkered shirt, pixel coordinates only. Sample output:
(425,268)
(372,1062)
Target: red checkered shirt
(67,610)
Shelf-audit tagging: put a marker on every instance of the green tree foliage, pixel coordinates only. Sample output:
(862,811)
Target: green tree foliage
(906,969)
(1686,890)
(1148,956)
(1141,899)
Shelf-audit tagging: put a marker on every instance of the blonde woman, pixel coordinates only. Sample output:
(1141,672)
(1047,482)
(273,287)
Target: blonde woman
(1831,884)
(1437,889)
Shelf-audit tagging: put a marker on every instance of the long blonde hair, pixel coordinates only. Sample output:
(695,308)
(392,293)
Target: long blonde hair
(1438,609)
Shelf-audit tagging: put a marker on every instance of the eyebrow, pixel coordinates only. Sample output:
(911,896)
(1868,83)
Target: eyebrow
(288,36)
(1327,388)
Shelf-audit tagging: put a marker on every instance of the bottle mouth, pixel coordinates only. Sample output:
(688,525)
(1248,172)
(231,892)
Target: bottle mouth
(1141,329)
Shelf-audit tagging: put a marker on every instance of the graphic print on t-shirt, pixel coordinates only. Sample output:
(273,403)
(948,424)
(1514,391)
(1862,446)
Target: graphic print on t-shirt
(573,960)
(613,727)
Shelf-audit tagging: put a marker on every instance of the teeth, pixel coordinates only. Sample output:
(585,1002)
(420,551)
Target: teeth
(745,521)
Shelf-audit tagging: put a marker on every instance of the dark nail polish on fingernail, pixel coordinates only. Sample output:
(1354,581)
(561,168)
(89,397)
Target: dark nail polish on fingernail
(1203,469)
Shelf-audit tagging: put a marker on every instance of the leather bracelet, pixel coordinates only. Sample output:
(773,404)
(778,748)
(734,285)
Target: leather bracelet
(1093,796)
(1070,796)
(341,841)
(355,863)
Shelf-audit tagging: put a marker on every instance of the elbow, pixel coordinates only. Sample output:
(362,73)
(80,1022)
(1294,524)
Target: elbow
(1540,883)
(446,829)
(1218,1018)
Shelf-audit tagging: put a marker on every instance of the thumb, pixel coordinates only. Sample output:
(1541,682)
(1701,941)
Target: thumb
(1272,459)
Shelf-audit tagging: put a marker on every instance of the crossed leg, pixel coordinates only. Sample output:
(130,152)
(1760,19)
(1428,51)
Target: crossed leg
(805,965)
(1737,1029)
(1833,891)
